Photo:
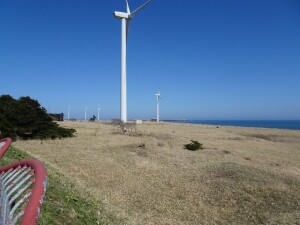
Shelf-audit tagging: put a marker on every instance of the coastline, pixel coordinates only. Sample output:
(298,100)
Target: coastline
(272,124)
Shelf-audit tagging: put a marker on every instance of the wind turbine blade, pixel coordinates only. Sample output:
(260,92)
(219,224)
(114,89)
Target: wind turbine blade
(127,6)
(139,8)
(127,28)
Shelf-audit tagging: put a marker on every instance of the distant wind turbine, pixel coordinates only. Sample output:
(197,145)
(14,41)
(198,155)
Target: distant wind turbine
(69,113)
(158,97)
(125,19)
(98,112)
(85,113)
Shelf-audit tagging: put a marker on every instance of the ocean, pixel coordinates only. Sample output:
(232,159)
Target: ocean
(279,124)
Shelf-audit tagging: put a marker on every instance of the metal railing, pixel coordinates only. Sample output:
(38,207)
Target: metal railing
(22,189)
(4,146)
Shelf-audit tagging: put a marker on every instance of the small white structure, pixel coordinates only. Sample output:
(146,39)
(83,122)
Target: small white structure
(138,121)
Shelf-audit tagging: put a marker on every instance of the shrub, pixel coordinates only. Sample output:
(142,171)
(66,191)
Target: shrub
(195,145)
(27,119)
(125,127)
(142,145)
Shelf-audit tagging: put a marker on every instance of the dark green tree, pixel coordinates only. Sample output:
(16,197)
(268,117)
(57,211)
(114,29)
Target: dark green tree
(27,119)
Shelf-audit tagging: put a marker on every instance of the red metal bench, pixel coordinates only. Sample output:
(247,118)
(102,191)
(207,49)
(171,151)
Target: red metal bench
(4,146)
(22,188)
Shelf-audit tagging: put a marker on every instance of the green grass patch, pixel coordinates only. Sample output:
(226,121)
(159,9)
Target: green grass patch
(62,203)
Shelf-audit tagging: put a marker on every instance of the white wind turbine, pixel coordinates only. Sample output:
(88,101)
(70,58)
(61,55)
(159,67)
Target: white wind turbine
(69,113)
(98,112)
(85,113)
(125,18)
(158,97)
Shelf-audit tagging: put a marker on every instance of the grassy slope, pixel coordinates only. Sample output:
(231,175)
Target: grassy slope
(62,203)
(243,194)
(242,176)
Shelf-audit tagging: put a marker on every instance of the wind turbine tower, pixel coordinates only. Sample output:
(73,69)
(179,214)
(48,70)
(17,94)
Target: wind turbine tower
(85,113)
(98,113)
(158,97)
(69,113)
(125,18)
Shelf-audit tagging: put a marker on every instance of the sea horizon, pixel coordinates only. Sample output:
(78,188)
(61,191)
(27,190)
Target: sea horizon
(276,124)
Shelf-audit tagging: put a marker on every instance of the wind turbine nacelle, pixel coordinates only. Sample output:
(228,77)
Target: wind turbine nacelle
(121,15)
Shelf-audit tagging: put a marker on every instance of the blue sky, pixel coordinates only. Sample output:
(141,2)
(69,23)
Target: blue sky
(213,59)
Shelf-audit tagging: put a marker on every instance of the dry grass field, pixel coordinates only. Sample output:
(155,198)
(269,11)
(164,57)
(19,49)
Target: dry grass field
(242,176)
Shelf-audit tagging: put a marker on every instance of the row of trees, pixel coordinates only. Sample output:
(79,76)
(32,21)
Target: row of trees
(27,119)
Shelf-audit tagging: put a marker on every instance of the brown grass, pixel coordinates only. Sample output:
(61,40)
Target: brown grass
(243,176)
